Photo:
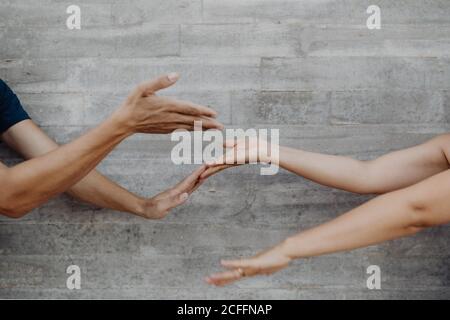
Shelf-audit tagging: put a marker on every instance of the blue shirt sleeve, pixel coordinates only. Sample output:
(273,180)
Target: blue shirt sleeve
(11,110)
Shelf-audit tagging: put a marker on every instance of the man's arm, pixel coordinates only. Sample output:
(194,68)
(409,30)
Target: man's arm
(31,183)
(389,216)
(31,142)
(389,172)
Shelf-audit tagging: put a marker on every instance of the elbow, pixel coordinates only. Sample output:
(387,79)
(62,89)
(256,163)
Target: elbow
(420,215)
(12,205)
(12,211)
(13,200)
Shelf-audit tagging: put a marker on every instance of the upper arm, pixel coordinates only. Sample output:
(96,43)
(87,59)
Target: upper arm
(431,199)
(28,139)
(16,128)
(403,168)
(3,175)
(11,110)
(2,168)
(443,141)
(5,205)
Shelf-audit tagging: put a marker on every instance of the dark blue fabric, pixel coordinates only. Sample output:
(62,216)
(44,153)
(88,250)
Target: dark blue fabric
(11,110)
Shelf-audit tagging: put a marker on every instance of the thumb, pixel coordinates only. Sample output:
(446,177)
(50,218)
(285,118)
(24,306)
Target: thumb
(174,201)
(162,82)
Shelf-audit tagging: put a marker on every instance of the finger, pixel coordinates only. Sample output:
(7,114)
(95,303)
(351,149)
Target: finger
(229,158)
(215,169)
(197,185)
(190,180)
(171,127)
(250,266)
(206,123)
(219,160)
(162,82)
(210,171)
(189,108)
(230,143)
(200,181)
(211,123)
(223,278)
(173,201)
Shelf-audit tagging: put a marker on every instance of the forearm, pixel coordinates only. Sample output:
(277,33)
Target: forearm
(98,190)
(33,182)
(390,216)
(381,219)
(31,142)
(333,171)
(387,173)
(387,217)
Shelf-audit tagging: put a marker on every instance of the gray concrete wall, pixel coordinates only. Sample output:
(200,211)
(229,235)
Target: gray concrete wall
(308,67)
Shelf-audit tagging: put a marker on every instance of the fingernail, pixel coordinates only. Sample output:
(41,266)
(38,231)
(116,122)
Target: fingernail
(184,196)
(173,76)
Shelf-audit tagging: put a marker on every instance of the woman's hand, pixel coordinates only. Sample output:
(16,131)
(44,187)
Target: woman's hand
(160,205)
(264,263)
(241,151)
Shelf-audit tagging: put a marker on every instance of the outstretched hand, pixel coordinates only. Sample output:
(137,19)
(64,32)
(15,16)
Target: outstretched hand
(265,263)
(160,205)
(146,112)
(241,151)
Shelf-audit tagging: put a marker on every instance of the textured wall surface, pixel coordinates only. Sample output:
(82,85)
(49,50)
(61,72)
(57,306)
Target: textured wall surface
(308,67)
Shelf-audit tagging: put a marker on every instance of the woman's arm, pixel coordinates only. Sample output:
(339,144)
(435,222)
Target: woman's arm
(389,216)
(31,183)
(390,172)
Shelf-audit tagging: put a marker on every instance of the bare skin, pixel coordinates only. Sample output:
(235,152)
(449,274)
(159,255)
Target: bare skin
(415,188)
(52,170)
(31,142)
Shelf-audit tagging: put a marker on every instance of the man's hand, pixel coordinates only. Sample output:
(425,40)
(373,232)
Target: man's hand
(145,112)
(241,151)
(159,206)
(31,183)
(265,263)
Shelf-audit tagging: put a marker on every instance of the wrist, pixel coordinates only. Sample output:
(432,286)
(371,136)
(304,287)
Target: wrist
(283,154)
(271,155)
(287,248)
(121,121)
(140,206)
